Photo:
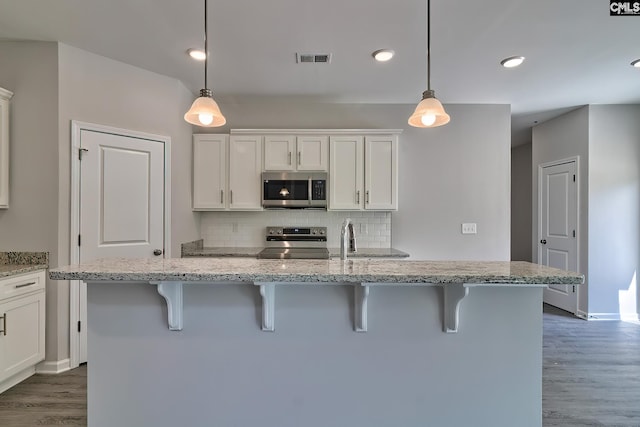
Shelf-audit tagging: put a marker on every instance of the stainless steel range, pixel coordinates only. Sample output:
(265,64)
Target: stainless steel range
(295,242)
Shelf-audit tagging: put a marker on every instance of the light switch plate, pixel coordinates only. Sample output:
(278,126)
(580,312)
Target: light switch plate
(469,228)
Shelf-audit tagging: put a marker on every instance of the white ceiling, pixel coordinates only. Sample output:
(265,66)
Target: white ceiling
(576,53)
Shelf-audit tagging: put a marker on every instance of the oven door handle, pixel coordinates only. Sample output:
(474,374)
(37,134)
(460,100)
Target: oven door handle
(310,181)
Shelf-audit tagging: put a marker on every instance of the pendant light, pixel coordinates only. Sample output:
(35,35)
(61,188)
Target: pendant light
(429,113)
(205,111)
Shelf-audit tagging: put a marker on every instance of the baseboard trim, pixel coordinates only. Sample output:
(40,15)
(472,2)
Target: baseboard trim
(16,379)
(626,317)
(53,367)
(582,314)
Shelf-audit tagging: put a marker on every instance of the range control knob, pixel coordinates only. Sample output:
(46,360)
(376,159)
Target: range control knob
(321,231)
(314,231)
(279,231)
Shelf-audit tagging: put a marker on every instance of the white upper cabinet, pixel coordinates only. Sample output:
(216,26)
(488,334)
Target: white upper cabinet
(381,172)
(5,96)
(226,172)
(291,152)
(363,172)
(210,171)
(313,153)
(279,152)
(245,169)
(346,173)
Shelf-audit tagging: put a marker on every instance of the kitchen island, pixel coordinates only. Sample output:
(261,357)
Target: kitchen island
(358,342)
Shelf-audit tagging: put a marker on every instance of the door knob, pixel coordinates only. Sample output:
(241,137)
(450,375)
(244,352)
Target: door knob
(157,252)
(543,241)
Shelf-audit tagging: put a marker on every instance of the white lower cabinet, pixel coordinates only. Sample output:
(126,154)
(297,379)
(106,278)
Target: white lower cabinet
(22,327)
(363,172)
(226,172)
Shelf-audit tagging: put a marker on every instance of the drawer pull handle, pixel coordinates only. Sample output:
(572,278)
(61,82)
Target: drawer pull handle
(24,285)
(4,324)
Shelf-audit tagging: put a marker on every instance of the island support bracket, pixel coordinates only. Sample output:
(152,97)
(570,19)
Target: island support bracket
(360,297)
(268,293)
(172,293)
(453,295)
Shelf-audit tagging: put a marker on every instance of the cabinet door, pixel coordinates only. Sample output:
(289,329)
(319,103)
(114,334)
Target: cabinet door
(279,152)
(381,173)
(345,172)
(312,153)
(209,171)
(5,95)
(245,169)
(22,336)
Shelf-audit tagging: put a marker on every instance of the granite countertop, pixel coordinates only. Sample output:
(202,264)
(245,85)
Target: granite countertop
(14,263)
(349,271)
(197,249)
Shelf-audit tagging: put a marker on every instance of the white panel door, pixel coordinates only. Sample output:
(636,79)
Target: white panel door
(558,220)
(279,152)
(209,171)
(122,196)
(245,183)
(381,172)
(121,206)
(346,172)
(313,152)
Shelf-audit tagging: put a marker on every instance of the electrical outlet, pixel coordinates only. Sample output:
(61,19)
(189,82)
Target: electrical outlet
(469,228)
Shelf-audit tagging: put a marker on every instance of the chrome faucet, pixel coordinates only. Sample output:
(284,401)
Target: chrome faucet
(347,233)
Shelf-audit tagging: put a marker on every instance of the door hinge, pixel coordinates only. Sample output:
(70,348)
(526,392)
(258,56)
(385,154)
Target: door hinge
(574,233)
(574,288)
(80,323)
(80,151)
(574,177)
(78,240)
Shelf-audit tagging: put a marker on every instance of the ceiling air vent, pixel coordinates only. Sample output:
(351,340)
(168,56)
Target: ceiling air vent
(312,58)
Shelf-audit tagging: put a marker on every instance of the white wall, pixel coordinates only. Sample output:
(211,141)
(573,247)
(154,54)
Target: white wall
(454,174)
(561,138)
(614,209)
(607,139)
(54,84)
(449,175)
(30,71)
(99,90)
(521,203)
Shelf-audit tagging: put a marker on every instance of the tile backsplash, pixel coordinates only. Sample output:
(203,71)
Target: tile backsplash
(246,229)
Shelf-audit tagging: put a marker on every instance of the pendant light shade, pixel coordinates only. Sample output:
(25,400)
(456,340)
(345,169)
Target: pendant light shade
(205,111)
(429,113)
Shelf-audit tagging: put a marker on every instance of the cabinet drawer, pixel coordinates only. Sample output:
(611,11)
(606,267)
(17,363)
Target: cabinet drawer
(21,284)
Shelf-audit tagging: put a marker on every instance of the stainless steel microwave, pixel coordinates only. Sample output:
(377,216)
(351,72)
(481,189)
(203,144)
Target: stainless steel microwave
(294,190)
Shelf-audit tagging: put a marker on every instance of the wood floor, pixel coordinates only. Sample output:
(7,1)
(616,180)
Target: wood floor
(591,372)
(591,377)
(46,400)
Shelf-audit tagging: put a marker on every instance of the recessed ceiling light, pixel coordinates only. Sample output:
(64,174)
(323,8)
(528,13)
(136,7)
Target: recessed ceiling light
(636,63)
(197,54)
(512,61)
(383,55)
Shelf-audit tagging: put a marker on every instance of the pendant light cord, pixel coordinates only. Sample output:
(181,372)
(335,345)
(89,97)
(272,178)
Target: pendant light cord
(206,46)
(428,44)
